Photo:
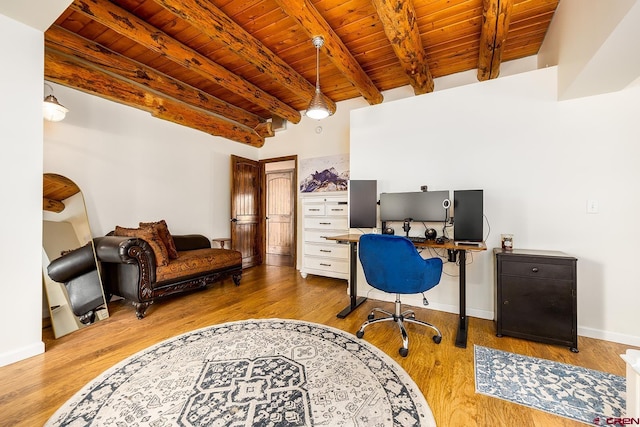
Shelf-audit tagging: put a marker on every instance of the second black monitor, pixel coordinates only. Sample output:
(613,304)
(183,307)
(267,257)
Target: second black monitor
(421,206)
(468,210)
(363,203)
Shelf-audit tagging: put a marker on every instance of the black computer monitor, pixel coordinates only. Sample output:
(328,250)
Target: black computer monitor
(363,203)
(421,206)
(468,212)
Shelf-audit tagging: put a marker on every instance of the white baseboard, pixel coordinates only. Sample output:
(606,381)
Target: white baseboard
(415,300)
(609,336)
(21,353)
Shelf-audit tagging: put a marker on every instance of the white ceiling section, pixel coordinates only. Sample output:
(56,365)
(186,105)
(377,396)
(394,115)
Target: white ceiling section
(594,44)
(38,14)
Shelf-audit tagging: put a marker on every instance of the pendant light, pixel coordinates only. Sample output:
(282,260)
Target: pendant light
(318,108)
(52,110)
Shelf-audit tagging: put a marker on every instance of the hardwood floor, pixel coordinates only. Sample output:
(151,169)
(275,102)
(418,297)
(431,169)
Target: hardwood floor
(31,390)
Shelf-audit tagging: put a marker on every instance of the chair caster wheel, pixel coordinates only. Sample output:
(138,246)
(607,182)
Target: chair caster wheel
(403,351)
(360,334)
(437,339)
(371,317)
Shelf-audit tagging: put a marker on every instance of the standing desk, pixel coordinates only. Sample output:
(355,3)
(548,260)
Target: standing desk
(456,250)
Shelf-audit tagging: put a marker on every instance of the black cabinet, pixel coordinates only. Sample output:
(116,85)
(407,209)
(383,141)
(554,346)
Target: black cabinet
(535,296)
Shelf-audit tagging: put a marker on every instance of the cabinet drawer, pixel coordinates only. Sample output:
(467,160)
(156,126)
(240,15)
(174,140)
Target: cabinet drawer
(314,209)
(539,270)
(331,251)
(318,236)
(327,264)
(336,209)
(327,223)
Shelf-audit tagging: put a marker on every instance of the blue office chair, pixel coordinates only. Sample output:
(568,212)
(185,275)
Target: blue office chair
(392,264)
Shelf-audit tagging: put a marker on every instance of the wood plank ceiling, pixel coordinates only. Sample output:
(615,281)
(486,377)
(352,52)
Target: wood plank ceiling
(227,67)
(55,189)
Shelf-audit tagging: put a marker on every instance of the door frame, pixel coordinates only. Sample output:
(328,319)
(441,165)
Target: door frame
(263,205)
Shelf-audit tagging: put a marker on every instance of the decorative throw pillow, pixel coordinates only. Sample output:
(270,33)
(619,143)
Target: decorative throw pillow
(149,235)
(163,232)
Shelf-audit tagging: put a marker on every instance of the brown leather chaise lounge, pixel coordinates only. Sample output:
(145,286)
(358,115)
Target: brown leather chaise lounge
(138,269)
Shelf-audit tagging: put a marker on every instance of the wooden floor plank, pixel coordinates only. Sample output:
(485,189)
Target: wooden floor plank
(33,389)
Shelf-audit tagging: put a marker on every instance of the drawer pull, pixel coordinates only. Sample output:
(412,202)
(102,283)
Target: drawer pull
(325,250)
(325,265)
(534,269)
(325,223)
(337,210)
(314,210)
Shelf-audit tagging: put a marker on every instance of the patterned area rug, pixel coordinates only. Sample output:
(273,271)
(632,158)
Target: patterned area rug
(268,372)
(570,391)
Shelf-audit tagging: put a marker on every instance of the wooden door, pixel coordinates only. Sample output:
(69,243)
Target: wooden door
(280,189)
(245,210)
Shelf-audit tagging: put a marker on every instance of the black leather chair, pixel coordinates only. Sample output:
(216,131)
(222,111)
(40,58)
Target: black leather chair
(77,270)
(392,264)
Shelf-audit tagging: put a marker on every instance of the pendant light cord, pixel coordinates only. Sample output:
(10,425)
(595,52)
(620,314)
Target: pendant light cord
(318,69)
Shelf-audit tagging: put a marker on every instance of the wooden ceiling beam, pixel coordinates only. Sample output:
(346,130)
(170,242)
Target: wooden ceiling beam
(213,23)
(72,72)
(61,40)
(52,205)
(136,29)
(496,17)
(401,27)
(265,130)
(310,20)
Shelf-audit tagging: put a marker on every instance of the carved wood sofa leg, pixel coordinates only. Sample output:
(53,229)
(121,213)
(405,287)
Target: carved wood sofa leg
(141,308)
(236,278)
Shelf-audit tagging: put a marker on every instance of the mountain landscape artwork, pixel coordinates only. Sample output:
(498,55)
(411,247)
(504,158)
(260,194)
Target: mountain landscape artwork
(320,174)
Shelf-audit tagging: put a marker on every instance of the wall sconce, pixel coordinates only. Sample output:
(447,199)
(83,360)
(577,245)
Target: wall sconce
(52,110)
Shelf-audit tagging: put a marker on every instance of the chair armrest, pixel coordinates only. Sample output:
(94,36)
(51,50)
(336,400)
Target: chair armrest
(124,250)
(188,242)
(72,264)
(128,267)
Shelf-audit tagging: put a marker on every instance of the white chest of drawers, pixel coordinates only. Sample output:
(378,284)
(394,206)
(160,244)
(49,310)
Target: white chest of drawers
(324,214)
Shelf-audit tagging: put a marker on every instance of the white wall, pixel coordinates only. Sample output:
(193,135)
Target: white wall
(132,167)
(592,42)
(333,137)
(538,161)
(21,177)
(38,14)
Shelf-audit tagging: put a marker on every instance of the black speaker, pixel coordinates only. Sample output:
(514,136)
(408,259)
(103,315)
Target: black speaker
(468,215)
(430,234)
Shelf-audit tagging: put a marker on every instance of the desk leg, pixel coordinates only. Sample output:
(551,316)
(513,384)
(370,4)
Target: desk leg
(463,322)
(353,284)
